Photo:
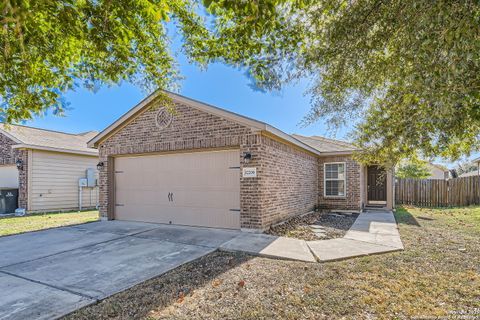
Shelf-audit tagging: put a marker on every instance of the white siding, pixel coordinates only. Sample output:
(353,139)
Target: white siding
(54,181)
(8,176)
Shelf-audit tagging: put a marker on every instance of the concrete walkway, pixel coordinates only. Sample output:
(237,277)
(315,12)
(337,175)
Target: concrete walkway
(373,232)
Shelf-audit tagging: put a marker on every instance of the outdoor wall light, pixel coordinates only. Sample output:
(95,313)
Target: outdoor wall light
(100,165)
(247,157)
(19,164)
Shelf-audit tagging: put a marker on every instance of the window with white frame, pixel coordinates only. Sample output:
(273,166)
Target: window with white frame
(334,179)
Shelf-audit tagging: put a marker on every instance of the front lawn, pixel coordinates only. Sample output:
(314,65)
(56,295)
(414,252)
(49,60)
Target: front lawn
(438,275)
(12,225)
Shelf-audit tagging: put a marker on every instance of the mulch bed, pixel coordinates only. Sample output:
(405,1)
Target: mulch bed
(334,225)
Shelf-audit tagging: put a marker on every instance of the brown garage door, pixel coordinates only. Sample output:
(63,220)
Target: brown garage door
(198,189)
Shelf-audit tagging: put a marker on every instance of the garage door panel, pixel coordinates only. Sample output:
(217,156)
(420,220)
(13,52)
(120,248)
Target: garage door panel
(199,198)
(139,197)
(205,188)
(217,218)
(149,213)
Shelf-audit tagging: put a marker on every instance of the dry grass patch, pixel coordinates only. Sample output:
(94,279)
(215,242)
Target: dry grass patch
(438,274)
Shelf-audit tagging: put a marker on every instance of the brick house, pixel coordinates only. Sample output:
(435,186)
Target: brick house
(45,166)
(204,166)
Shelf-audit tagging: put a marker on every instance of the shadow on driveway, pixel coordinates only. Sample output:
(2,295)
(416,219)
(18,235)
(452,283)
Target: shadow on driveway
(158,293)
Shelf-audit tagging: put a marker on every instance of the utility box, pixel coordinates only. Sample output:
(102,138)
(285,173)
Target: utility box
(8,200)
(91,178)
(82,182)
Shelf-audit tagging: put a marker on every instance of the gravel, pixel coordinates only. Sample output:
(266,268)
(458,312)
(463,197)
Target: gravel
(315,226)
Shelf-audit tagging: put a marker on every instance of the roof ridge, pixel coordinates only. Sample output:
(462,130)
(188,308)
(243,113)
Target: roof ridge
(42,129)
(332,140)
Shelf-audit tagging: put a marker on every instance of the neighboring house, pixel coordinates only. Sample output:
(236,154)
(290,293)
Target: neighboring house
(473,172)
(438,171)
(469,174)
(205,166)
(45,166)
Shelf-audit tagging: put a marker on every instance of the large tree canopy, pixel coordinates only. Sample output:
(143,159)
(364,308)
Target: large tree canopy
(413,169)
(407,70)
(51,46)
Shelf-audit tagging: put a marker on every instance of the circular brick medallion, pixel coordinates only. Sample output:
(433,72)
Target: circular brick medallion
(163,119)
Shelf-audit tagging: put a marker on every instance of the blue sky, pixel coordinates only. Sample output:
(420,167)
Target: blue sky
(220,85)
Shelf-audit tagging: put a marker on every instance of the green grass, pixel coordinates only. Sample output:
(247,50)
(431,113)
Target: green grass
(33,222)
(437,276)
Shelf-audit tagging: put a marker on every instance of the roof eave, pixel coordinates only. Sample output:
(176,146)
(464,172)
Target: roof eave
(337,153)
(10,136)
(93,153)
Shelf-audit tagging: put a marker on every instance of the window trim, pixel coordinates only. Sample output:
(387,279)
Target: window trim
(325,180)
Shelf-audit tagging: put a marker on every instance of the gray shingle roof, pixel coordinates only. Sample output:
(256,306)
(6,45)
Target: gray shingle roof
(42,138)
(323,144)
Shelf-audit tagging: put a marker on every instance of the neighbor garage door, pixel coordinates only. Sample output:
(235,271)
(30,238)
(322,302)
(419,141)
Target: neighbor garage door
(198,189)
(9,177)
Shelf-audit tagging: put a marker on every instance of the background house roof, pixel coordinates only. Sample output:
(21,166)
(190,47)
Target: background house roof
(469,174)
(34,138)
(438,166)
(326,145)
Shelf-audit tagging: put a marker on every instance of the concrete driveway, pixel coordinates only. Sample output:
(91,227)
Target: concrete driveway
(50,273)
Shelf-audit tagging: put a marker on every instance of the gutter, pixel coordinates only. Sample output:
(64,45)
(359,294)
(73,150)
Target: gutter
(93,153)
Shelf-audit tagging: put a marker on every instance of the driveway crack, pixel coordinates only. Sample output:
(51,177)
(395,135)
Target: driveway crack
(49,285)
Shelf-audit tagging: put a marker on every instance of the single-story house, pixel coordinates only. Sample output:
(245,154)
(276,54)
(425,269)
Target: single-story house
(45,166)
(476,172)
(205,166)
(438,172)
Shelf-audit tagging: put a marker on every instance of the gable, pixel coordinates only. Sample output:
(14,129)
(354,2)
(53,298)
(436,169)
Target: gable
(153,100)
(189,127)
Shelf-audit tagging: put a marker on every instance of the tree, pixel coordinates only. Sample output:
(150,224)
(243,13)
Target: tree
(465,167)
(407,70)
(413,169)
(51,46)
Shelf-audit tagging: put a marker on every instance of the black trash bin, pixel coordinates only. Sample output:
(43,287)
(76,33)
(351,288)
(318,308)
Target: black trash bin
(8,200)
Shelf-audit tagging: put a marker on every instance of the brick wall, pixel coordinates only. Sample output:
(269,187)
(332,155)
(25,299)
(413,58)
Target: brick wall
(7,154)
(352,200)
(289,181)
(23,180)
(286,182)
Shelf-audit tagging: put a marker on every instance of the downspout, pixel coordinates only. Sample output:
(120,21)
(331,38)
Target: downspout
(80,198)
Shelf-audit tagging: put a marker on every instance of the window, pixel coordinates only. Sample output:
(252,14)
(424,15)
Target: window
(334,179)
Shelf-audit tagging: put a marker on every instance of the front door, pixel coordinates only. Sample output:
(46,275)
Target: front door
(376,185)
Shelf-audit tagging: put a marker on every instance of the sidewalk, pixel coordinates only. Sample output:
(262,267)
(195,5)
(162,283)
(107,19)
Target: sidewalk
(372,233)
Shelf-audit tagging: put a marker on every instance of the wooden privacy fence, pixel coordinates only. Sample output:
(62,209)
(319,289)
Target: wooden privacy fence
(438,193)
